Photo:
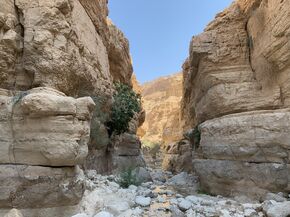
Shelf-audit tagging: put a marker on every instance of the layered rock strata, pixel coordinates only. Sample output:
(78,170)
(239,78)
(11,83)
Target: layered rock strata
(236,92)
(44,135)
(161,101)
(58,62)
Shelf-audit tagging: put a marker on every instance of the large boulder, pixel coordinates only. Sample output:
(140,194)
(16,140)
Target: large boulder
(178,157)
(258,137)
(14,213)
(24,186)
(236,95)
(233,178)
(44,127)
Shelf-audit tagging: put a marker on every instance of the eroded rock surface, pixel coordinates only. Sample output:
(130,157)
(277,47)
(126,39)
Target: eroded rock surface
(25,186)
(236,93)
(44,127)
(44,134)
(161,102)
(58,62)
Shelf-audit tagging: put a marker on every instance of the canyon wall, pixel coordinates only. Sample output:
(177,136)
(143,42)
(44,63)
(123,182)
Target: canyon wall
(162,127)
(161,101)
(58,62)
(236,92)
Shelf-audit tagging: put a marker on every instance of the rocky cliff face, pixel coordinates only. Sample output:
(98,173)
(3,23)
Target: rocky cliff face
(58,62)
(161,101)
(236,90)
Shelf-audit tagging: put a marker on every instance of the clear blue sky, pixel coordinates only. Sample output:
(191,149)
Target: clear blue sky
(159,31)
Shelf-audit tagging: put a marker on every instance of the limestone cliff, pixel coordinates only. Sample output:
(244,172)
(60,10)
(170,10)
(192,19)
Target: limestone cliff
(236,90)
(58,62)
(161,101)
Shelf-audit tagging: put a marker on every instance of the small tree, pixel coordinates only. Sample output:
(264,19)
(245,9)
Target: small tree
(126,104)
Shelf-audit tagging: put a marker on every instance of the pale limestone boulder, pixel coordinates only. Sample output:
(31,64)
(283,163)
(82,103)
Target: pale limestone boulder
(44,127)
(258,137)
(14,213)
(68,45)
(178,157)
(38,187)
(123,152)
(143,201)
(233,178)
(126,144)
(103,214)
(120,163)
(278,209)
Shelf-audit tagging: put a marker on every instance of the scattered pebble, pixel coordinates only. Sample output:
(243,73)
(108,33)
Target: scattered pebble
(164,199)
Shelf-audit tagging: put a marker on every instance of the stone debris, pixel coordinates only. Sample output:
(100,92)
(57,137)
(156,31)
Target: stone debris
(164,199)
(143,201)
(14,213)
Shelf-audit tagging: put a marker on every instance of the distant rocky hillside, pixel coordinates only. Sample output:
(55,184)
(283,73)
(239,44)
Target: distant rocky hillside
(161,101)
(237,95)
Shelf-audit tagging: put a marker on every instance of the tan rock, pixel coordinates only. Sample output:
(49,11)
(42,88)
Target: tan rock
(178,157)
(10,44)
(136,85)
(44,129)
(236,90)
(258,137)
(74,58)
(14,213)
(126,145)
(233,178)
(161,101)
(65,48)
(38,187)
(126,152)
(116,43)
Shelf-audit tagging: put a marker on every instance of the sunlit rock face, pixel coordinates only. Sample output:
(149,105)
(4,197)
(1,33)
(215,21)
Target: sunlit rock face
(236,90)
(161,101)
(58,62)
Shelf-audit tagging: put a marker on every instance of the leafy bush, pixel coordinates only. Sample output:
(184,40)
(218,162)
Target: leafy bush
(128,177)
(126,104)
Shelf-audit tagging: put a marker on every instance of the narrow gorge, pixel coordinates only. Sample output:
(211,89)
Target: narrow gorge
(211,140)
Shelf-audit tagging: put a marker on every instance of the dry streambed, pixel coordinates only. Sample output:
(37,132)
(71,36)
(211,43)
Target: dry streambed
(169,195)
(165,195)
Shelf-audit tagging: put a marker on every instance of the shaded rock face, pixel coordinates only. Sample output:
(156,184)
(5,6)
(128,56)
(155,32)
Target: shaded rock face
(236,91)
(25,186)
(58,62)
(116,43)
(161,101)
(178,157)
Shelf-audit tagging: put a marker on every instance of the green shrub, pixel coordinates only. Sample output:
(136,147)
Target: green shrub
(128,177)
(126,104)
